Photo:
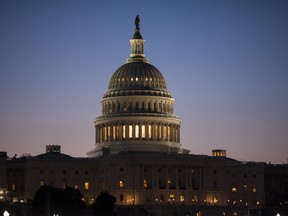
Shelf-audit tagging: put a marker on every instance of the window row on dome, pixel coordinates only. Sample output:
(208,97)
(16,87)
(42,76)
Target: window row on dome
(138,92)
(137,81)
(138,131)
(157,106)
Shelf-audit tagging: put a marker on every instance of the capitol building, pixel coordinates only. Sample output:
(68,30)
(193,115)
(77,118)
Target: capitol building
(138,157)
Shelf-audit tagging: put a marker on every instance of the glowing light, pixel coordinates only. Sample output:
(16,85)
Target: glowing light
(86,185)
(6,213)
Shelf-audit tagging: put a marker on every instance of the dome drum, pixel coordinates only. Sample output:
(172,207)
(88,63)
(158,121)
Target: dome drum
(140,132)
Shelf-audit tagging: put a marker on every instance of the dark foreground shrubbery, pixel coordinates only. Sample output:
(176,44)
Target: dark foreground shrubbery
(63,202)
(104,205)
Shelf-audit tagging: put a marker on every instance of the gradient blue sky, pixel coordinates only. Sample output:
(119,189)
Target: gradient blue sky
(225,63)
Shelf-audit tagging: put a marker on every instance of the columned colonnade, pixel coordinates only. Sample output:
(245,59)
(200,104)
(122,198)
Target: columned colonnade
(137,131)
(138,104)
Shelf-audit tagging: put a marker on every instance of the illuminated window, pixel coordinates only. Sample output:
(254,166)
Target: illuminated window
(118,132)
(145,183)
(182,199)
(105,133)
(41,183)
(168,132)
(195,198)
(114,132)
(143,131)
(150,131)
(234,189)
(164,132)
(130,131)
(121,184)
(160,132)
(171,197)
(136,131)
(156,131)
(254,190)
(215,200)
(86,185)
(13,186)
(123,131)
(169,181)
(76,187)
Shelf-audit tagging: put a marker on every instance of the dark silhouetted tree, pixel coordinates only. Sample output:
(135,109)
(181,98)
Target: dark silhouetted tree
(104,205)
(48,199)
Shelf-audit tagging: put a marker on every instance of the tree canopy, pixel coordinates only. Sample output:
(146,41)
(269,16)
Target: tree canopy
(104,205)
(66,201)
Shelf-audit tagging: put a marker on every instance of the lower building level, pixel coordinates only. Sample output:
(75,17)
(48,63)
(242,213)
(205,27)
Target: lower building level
(150,179)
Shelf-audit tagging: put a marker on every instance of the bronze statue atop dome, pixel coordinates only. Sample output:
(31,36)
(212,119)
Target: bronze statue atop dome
(137,21)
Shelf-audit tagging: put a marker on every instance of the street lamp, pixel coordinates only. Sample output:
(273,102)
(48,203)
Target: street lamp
(6,213)
(278,214)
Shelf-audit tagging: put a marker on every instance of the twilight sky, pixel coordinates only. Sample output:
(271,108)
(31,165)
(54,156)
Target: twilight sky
(225,63)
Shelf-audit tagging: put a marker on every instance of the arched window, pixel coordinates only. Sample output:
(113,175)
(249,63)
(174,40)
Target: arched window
(160,131)
(164,132)
(149,131)
(149,106)
(114,132)
(136,131)
(156,131)
(118,107)
(113,107)
(130,131)
(143,131)
(124,131)
(124,108)
(105,134)
(108,133)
